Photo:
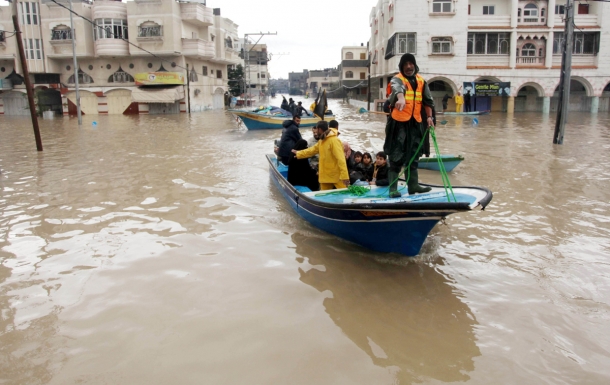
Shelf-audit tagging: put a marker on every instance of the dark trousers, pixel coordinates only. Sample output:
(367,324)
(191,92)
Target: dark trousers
(467,107)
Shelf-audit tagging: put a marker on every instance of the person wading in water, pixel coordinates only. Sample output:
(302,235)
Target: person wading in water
(405,128)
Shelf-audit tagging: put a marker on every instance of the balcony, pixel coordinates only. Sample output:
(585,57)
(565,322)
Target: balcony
(111,47)
(488,21)
(197,14)
(60,37)
(105,9)
(530,61)
(198,48)
(578,61)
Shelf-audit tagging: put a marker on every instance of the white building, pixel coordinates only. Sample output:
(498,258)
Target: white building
(515,41)
(256,72)
(354,71)
(115,76)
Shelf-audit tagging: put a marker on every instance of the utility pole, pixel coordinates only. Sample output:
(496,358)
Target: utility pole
(26,76)
(247,60)
(78,111)
(566,69)
(368,96)
(188,89)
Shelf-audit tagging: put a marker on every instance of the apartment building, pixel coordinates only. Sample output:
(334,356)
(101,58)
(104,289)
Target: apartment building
(319,80)
(256,70)
(353,72)
(134,61)
(511,46)
(298,82)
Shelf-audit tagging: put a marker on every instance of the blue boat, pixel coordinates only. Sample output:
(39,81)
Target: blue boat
(273,117)
(375,221)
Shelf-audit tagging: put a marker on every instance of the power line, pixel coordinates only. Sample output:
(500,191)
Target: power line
(174,64)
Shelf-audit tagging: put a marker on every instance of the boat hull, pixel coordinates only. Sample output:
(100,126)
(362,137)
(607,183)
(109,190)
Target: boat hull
(254,121)
(392,228)
(449,161)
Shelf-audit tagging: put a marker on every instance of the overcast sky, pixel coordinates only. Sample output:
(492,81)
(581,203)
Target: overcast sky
(310,33)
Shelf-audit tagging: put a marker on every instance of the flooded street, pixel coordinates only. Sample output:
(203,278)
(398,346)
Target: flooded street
(156,250)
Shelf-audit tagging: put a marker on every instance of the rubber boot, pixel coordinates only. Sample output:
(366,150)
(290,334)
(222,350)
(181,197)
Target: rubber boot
(393,177)
(413,183)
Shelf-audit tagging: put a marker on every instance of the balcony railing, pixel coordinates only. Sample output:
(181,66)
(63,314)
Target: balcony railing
(198,48)
(197,14)
(61,34)
(156,31)
(489,20)
(530,60)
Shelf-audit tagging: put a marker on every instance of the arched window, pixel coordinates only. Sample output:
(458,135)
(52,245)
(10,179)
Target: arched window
(83,78)
(120,76)
(349,56)
(61,32)
(528,50)
(530,13)
(150,29)
(349,75)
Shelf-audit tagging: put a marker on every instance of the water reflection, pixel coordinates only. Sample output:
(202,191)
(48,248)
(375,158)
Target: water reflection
(409,319)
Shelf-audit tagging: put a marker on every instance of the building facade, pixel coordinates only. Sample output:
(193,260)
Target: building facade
(319,80)
(514,42)
(298,82)
(134,60)
(353,72)
(256,71)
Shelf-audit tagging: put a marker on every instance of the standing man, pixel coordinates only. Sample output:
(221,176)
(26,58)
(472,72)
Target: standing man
(405,128)
(301,109)
(332,170)
(459,100)
(467,101)
(292,107)
(445,100)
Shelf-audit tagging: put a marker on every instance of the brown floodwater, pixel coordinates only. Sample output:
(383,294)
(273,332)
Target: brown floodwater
(156,250)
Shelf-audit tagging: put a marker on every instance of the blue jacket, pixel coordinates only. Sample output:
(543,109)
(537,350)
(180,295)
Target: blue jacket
(290,137)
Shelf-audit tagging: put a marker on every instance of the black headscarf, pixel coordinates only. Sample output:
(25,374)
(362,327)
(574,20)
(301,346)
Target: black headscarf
(406,58)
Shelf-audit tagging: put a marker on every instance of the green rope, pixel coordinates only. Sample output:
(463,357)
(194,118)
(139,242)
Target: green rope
(361,190)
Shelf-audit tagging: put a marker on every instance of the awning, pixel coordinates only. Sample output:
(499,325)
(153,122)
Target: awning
(158,95)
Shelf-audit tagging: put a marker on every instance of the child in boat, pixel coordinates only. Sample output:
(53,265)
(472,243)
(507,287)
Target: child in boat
(380,172)
(366,167)
(354,173)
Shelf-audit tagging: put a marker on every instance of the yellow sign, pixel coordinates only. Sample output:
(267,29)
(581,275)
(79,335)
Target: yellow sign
(152,78)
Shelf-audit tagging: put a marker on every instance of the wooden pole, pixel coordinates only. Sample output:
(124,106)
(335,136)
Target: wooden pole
(28,84)
(78,110)
(566,66)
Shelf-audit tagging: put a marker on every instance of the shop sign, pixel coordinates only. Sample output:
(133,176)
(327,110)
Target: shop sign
(487,88)
(154,78)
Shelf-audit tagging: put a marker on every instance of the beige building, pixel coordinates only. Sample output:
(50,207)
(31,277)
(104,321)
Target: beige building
(354,71)
(256,70)
(134,61)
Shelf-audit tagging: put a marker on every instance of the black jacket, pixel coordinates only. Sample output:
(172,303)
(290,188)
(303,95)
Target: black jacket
(290,136)
(382,176)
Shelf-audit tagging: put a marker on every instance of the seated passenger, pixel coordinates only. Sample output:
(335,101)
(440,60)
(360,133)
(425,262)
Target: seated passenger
(380,172)
(355,173)
(300,172)
(349,157)
(366,167)
(290,136)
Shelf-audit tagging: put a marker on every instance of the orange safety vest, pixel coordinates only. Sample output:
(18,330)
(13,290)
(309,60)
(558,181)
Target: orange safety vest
(413,100)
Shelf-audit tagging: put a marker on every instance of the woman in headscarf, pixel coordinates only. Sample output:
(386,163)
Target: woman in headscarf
(349,157)
(300,172)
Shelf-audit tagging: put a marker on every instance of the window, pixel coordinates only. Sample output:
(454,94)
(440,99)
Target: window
(119,76)
(263,76)
(362,75)
(441,6)
(219,74)
(488,9)
(83,78)
(349,56)
(33,49)
(442,45)
(212,37)
(61,32)
(150,29)
(2,38)
(488,44)
(585,43)
(528,50)
(583,9)
(400,43)
(560,10)
(110,29)
(349,75)
(29,12)
(204,70)
(363,56)
(530,13)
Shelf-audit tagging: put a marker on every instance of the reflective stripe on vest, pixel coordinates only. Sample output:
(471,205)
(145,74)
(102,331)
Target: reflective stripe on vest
(413,100)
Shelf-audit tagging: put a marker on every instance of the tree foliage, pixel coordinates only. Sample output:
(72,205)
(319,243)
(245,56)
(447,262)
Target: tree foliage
(236,80)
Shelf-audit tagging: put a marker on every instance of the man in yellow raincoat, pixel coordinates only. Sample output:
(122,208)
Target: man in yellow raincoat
(459,101)
(332,169)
